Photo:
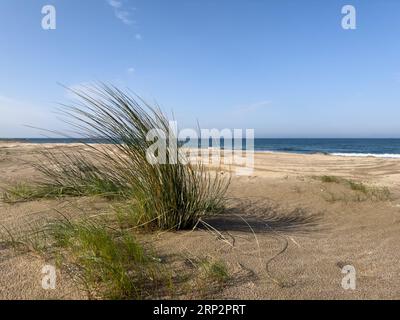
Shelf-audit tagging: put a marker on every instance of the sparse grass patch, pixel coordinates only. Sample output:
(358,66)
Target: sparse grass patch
(361,191)
(205,277)
(22,192)
(214,270)
(379,193)
(373,193)
(357,186)
(30,239)
(107,261)
(333,197)
(328,179)
(110,263)
(102,255)
(104,261)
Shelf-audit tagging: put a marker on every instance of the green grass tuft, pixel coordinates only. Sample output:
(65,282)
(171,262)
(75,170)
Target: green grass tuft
(110,263)
(22,192)
(330,179)
(362,192)
(357,186)
(215,270)
(107,261)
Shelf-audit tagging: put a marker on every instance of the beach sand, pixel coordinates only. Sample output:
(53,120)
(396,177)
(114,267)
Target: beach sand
(285,235)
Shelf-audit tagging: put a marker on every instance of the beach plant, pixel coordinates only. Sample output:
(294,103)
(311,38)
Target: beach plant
(171,195)
(362,191)
(330,179)
(215,270)
(77,173)
(101,251)
(108,263)
(21,192)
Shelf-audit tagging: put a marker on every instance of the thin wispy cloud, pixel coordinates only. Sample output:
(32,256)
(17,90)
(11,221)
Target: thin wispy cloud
(131,70)
(122,12)
(124,16)
(115,3)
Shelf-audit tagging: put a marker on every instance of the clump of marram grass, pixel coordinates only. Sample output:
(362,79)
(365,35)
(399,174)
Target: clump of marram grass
(165,196)
(101,252)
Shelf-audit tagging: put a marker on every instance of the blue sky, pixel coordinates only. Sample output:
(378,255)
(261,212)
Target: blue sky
(285,68)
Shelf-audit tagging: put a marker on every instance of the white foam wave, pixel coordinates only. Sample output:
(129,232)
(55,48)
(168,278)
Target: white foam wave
(375,155)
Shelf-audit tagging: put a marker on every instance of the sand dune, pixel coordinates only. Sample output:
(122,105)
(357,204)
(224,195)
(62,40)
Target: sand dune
(303,230)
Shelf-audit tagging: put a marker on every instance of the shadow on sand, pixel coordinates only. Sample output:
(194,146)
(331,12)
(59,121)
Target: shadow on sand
(264,217)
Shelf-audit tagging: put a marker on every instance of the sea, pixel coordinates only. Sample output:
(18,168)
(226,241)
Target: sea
(384,148)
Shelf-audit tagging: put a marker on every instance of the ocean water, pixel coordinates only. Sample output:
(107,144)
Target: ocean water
(385,148)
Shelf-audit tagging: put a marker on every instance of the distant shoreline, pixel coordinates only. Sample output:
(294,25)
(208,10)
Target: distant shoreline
(257,150)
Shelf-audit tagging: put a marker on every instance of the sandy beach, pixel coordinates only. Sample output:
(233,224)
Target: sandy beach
(286,234)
